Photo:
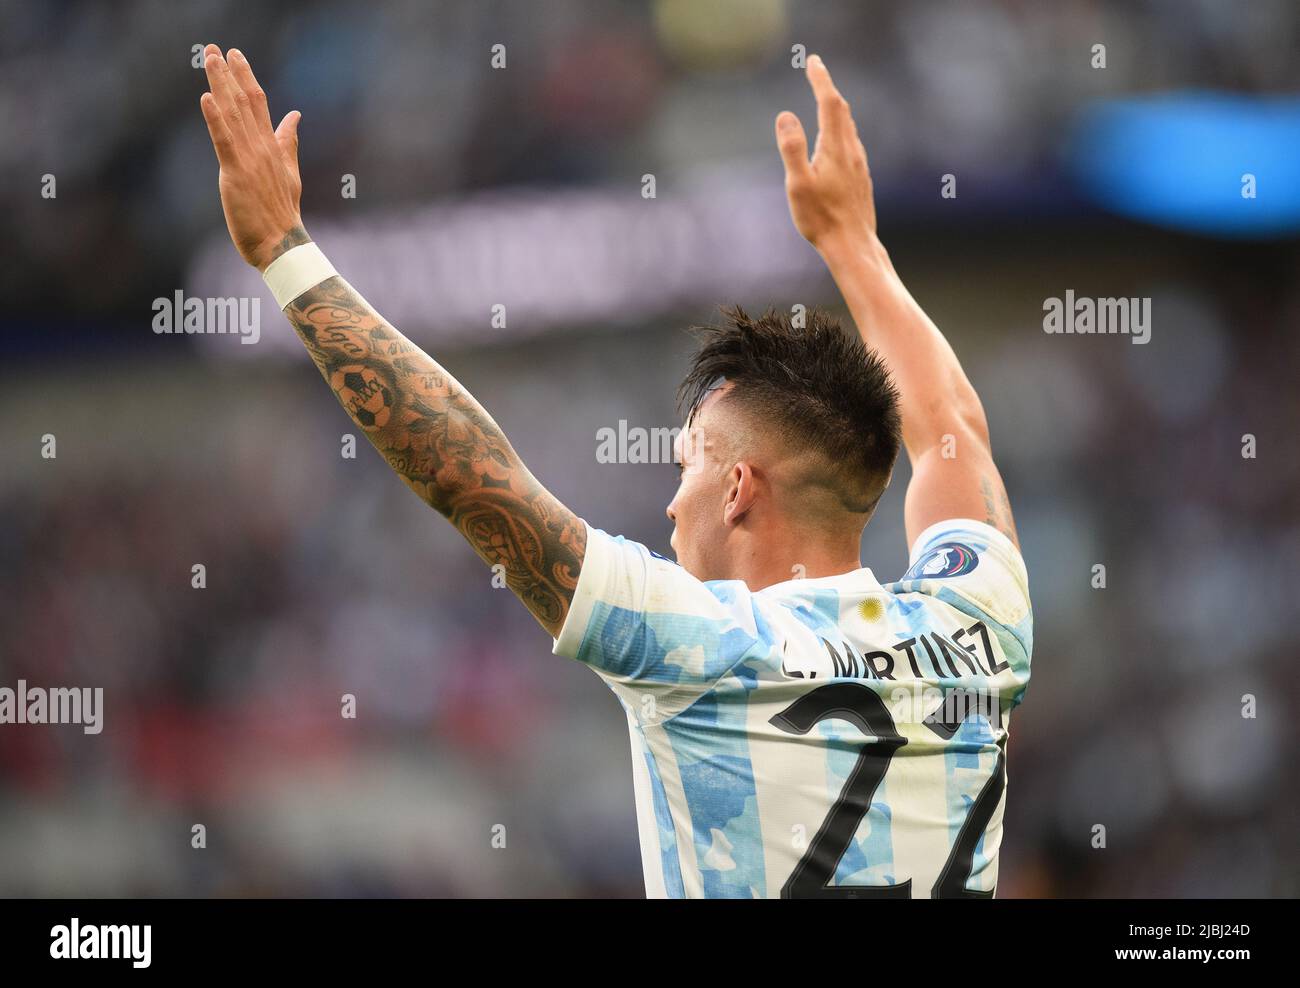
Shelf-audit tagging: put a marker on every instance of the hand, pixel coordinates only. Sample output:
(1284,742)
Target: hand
(830,197)
(259,183)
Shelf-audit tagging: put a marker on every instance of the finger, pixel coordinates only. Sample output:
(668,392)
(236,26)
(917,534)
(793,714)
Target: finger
(242,73)
(833,116)
(792,143)
(222,142)
(286,135)
(223,91)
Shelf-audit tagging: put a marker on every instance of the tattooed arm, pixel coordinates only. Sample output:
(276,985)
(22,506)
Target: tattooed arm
(944,428)
(444,446)
(430,429)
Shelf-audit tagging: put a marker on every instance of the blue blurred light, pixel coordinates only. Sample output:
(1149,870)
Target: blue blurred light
(1177,160)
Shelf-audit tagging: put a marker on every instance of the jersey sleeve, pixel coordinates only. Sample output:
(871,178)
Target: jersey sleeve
(650,629)
(976,569)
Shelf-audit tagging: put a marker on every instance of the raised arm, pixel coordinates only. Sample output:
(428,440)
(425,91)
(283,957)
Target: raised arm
(944,429)
(425,424)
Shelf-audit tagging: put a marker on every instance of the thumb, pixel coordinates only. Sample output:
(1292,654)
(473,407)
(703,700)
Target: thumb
(792,143)
(286,135)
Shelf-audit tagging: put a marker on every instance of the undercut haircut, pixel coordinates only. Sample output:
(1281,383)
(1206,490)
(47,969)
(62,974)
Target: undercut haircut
(816,386)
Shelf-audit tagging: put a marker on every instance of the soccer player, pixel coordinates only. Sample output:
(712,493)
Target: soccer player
(798,728)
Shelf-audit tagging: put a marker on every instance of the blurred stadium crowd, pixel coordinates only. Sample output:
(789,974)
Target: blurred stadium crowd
(478,763)
(398,93)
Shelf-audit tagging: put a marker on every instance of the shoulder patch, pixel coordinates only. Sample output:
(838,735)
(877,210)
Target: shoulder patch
(944,560)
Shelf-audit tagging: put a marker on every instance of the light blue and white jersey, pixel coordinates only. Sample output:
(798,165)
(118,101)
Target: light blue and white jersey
(820,737)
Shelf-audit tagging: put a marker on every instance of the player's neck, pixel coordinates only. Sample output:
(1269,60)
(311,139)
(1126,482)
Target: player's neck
(763,562)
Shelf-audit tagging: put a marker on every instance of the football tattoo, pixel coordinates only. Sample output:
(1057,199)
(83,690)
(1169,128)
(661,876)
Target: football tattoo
(363,394)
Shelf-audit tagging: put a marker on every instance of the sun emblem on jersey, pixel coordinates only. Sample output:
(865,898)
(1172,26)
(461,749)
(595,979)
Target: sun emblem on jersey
(945,559)
(871,609)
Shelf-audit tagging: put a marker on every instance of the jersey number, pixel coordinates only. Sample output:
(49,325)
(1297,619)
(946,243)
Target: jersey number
(863,708)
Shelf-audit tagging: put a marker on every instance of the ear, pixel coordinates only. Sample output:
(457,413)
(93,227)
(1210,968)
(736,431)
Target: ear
(742,492)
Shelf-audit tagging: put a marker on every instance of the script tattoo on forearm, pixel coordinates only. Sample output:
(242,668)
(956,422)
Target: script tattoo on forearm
(997,515)
(445,447)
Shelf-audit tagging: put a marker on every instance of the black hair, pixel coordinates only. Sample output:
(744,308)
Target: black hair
(814,384)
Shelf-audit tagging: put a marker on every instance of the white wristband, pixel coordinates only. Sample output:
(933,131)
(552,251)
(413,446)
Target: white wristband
(295,271)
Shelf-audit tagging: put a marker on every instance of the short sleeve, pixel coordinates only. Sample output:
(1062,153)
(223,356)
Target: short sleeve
(640,620)
(978,570)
